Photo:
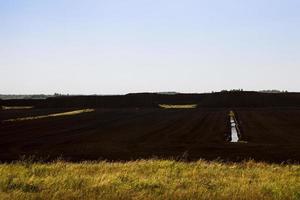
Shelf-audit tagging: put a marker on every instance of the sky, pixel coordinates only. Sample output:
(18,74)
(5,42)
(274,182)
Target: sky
(124,46)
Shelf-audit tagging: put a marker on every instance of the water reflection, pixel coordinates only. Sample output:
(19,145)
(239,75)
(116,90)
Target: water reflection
(234,132)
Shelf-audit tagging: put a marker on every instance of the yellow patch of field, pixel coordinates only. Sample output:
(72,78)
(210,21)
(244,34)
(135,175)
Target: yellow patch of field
(231,113)
(16,107)
(170,106)
(75,112)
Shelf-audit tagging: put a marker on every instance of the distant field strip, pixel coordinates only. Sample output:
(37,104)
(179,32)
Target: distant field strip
(170,106)
(75,112)
(16,107)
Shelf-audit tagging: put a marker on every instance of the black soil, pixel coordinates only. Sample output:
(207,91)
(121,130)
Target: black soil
(133,127)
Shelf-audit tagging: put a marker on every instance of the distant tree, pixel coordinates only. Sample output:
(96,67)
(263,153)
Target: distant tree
(57,94)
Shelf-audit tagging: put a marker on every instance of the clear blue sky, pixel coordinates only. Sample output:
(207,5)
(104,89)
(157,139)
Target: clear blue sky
(121,46)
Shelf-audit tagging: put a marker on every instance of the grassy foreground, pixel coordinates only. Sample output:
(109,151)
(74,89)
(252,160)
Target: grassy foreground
(149,179)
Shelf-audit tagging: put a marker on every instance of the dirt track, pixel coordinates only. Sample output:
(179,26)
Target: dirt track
(134,133)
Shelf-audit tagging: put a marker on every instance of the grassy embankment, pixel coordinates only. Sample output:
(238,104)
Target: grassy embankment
(15,107)
(150,179)
(170,106)
(75,112)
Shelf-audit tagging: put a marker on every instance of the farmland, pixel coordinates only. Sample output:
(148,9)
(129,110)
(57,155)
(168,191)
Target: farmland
(115,134)
(147,146)
(123,128)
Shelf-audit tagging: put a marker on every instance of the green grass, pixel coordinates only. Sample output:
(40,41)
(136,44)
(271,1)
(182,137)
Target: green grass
(75,112)
(170,106)
(149,179)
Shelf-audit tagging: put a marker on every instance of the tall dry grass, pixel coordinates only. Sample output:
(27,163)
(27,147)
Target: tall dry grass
(149,179)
